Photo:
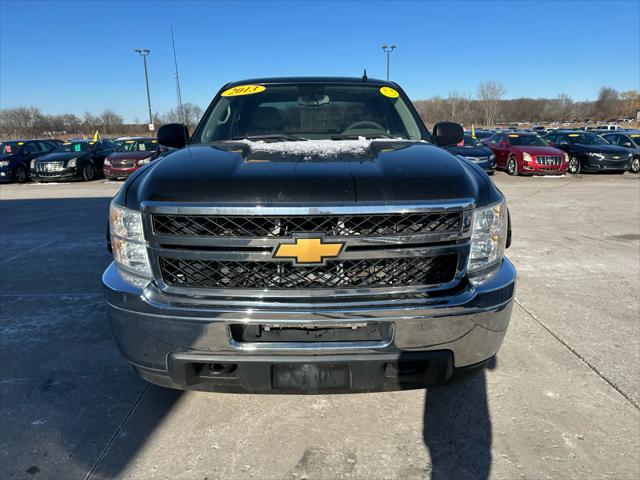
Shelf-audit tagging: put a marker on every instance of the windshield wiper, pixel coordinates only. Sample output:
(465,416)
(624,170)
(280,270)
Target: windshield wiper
(367,137)
(276,137)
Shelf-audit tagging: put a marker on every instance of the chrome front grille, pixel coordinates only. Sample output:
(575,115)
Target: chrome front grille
(549,160)
(615,157)
(381,272)
(49,166)
(285,226)
(123,163)
(230,251)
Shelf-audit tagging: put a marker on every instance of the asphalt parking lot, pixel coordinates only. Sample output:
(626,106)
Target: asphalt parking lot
(561,400)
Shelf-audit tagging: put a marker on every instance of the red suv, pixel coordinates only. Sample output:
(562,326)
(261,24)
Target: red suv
(522,153)
(133,153)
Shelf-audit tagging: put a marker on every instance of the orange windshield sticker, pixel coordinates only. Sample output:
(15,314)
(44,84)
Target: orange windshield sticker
(243,90)
(389,92)
(513,136)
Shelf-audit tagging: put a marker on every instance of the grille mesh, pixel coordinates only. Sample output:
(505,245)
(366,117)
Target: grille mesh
(49,166)
(331,225)
(548,160)
(346,274)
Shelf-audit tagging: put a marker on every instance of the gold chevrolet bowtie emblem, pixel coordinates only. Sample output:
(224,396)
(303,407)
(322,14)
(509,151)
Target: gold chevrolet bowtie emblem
(308,251)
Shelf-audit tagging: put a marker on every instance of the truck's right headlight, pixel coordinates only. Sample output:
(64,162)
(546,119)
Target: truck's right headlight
(488,237)
(128,244)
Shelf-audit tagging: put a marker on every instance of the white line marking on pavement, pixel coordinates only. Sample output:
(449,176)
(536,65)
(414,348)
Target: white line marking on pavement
(577,354)
(27,251)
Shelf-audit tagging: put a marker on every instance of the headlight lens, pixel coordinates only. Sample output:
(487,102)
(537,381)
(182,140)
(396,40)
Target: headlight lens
(5,163)
(566,158)
(492,157)
(33,164)
(72,163)
(129,246)
(107,161)
(488,237)
(594,154)
(144,161)
(526,157)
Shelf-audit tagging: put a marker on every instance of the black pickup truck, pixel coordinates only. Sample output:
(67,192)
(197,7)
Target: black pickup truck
(309,236)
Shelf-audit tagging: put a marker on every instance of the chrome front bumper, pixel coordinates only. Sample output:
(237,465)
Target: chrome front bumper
(152,328)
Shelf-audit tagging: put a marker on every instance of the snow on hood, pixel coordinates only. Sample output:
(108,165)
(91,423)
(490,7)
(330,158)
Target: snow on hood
(308,149)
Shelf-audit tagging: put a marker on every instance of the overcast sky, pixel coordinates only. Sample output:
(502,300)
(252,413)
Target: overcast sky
(78,56)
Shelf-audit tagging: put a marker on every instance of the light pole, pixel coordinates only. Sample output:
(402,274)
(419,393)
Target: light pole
(143,52)
(388,51)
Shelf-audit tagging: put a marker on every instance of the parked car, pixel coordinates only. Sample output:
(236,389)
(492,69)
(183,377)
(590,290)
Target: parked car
(79,160)
(297,197)
(629,140)
(609,127)
(590,152)
(482,134)
(16,157)
(474,150)
(526,153)
(130,156)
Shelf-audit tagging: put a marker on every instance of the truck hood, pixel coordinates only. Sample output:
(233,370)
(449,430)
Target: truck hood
(344,172)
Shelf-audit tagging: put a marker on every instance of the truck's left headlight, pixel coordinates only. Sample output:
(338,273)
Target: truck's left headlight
(128,244)
(144,161)
(72,163)
(488,237)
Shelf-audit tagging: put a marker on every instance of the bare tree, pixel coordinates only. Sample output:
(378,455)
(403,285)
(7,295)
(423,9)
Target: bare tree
(110,121)
(605,106)
(20,121)
(564,105)
(489,95)
(630,103)
(90,122)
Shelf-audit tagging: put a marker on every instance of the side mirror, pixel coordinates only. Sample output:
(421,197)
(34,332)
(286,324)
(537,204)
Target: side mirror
(173,135)
(447,133)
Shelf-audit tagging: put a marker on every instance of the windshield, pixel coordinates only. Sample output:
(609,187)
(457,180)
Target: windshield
(75,147)
(308,111)
(527,141)
(146,145)
(469,141)
(587,139)
(9,148)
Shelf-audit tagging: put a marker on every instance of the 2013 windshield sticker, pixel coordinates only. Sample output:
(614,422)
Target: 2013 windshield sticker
(389,92)
(243,90)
